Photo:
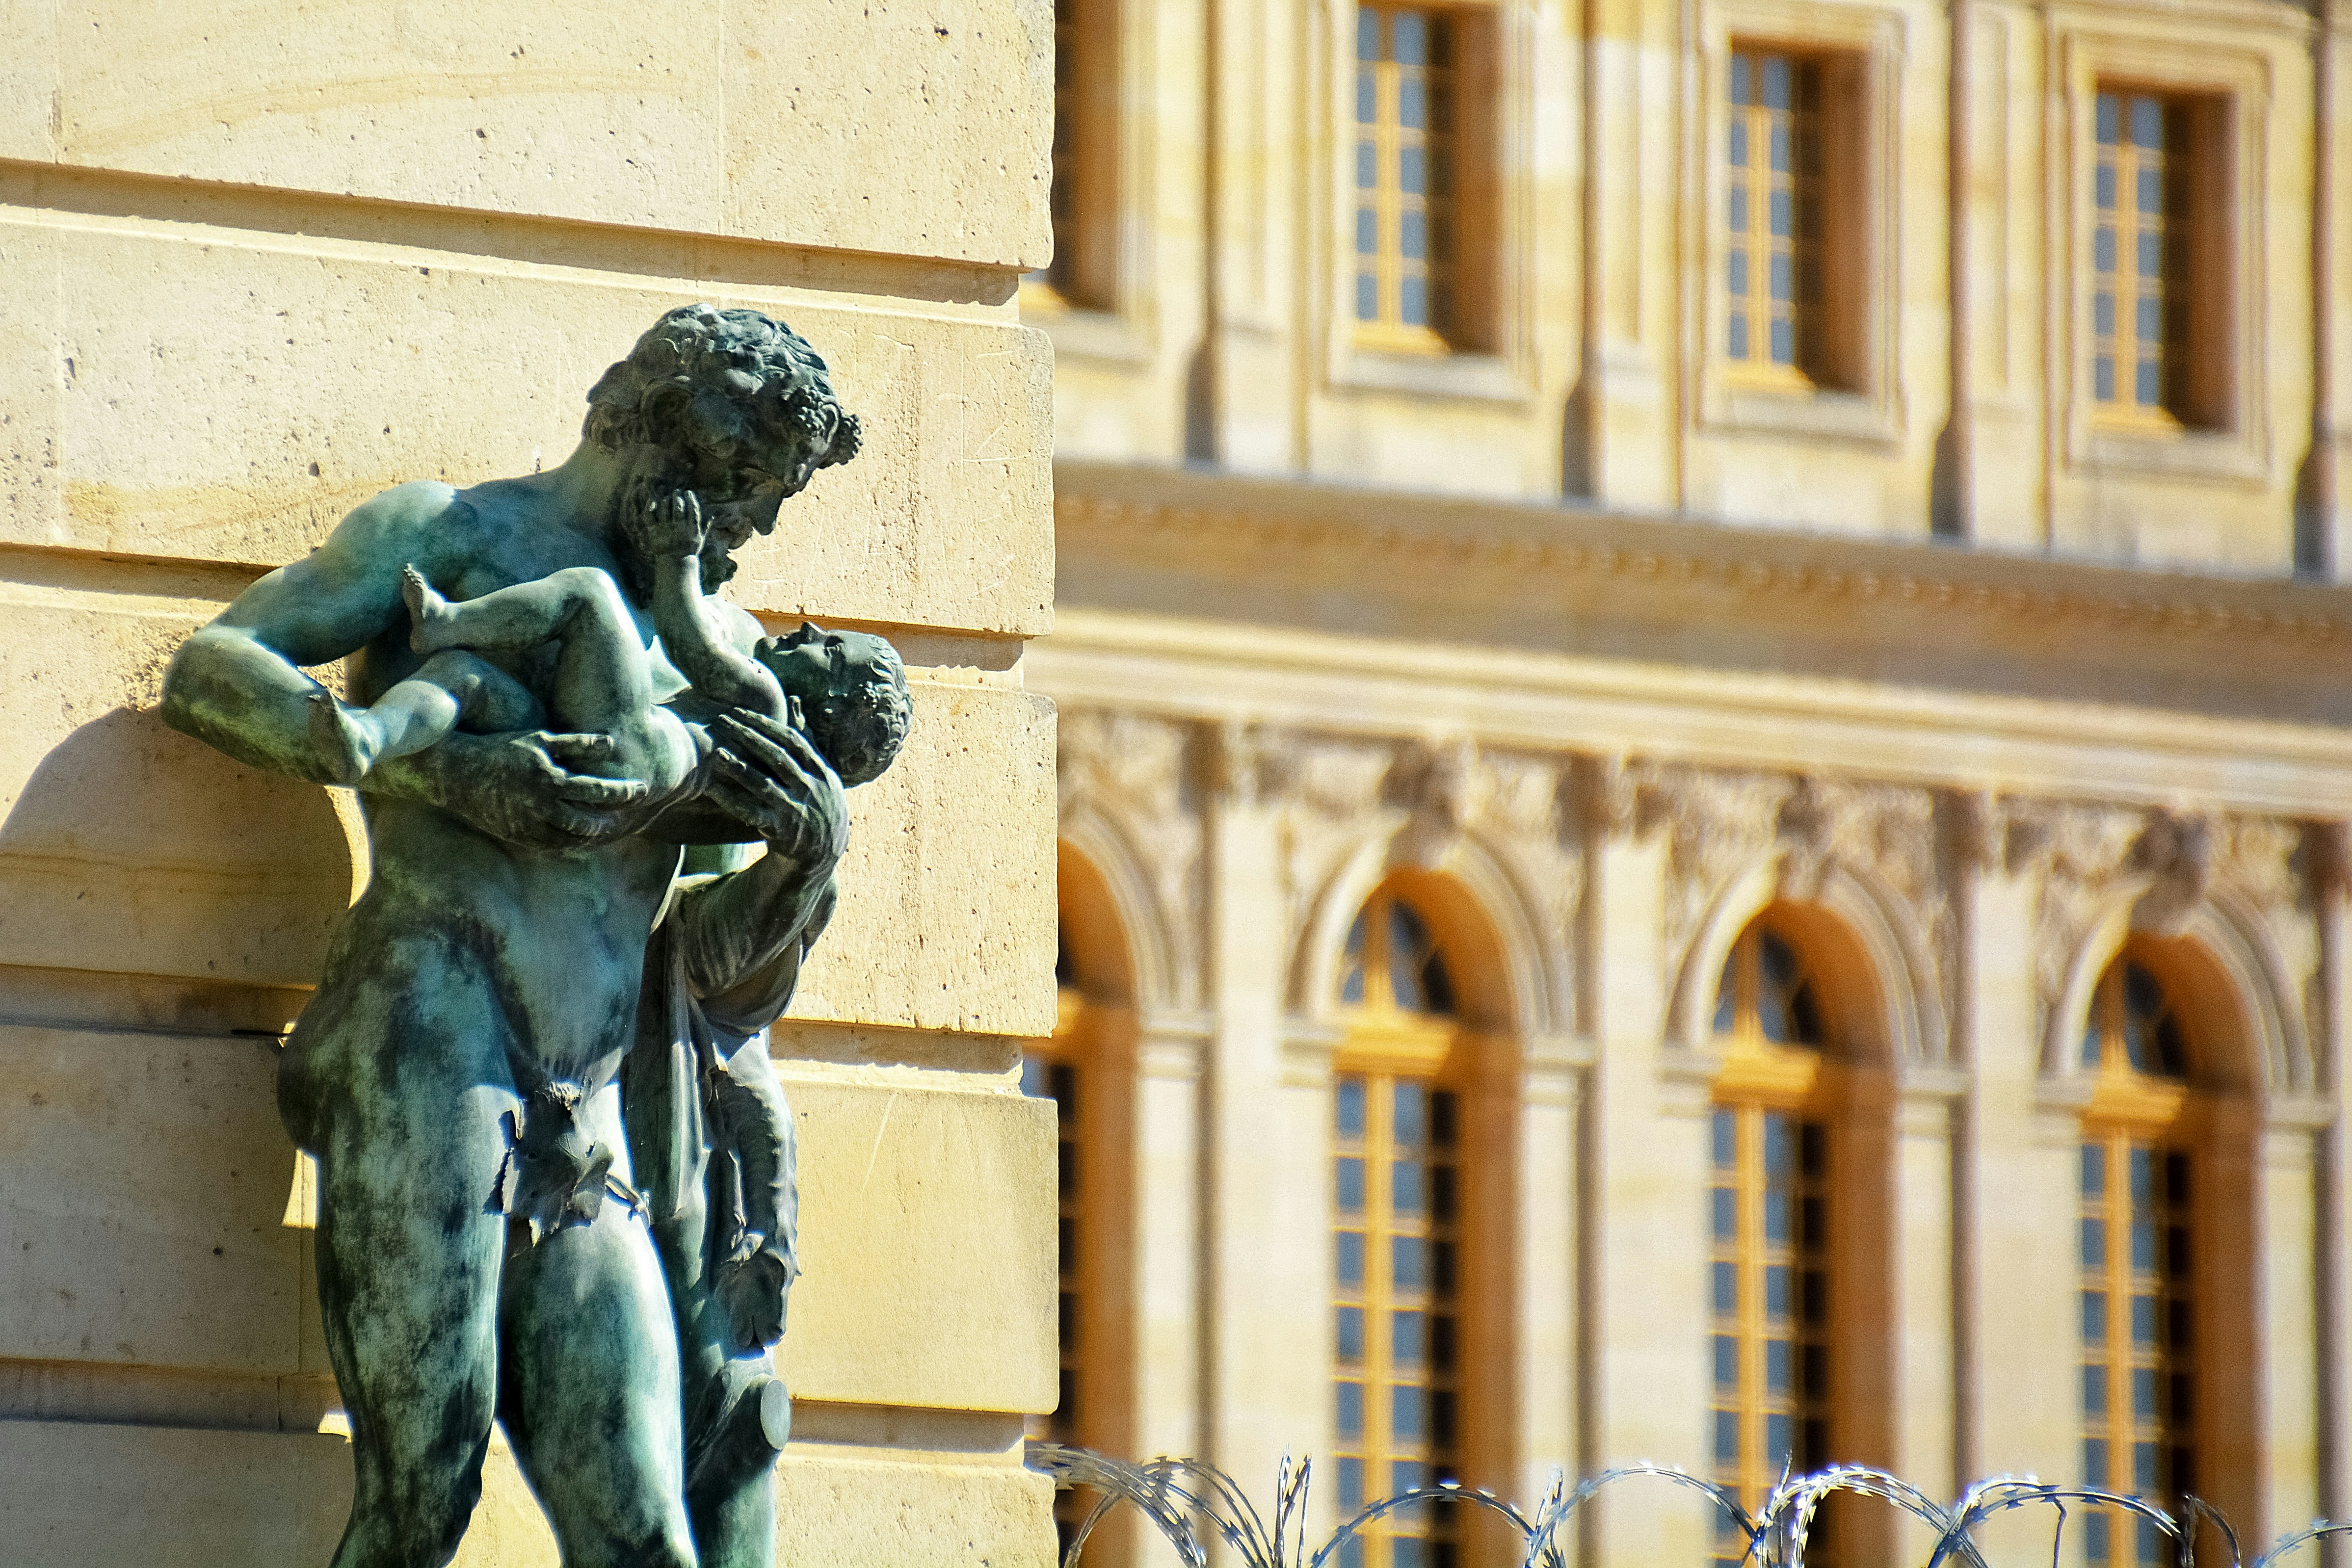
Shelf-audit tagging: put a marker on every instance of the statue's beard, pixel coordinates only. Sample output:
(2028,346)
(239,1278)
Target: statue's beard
(651,484)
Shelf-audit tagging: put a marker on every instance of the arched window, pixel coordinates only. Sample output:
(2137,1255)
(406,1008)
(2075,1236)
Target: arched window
(2139,1316)
(1055,1069)
(1768,1269)
(1401,1312)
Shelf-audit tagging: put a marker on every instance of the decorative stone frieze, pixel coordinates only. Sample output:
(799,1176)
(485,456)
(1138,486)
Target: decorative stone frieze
(1132,773)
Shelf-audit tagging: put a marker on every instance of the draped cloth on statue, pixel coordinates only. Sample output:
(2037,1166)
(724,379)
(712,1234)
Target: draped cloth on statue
(712,1150)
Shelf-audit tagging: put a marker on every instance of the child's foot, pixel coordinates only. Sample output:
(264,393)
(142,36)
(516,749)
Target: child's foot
(428,613)
(343,738)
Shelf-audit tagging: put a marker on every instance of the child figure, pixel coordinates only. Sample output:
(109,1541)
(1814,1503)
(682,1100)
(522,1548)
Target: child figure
(847,690)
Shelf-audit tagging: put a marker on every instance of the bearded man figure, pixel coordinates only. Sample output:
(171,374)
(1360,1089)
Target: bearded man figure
(488,1246)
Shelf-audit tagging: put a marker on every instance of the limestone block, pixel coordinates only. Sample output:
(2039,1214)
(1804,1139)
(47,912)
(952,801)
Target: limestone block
(181,392)
(927,1244)
(143,1218)
(77,1494)
(904,129)
(127,846)
(946,898)
(867,1511)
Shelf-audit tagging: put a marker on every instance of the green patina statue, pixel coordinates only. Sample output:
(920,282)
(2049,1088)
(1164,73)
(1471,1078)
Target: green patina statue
(555,1166)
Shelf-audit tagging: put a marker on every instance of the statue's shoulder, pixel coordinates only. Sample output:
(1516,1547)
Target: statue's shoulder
(413,520)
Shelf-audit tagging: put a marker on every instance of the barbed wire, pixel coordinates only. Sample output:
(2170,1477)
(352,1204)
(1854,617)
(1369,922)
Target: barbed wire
(1185,1498)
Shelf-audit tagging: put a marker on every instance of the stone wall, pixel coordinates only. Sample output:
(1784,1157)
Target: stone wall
(263,261)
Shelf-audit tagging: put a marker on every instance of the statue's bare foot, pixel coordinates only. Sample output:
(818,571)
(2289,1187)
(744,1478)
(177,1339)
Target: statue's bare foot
(428,613)
(341,739)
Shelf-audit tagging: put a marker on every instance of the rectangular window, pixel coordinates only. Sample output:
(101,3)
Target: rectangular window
(1417,180)
(1791,264)
(1396,1387)
(1769,1352)
(2138,1352)
(2157,315)
(1084,165)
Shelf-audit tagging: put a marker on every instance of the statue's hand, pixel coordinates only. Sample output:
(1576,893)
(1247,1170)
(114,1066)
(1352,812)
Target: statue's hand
(532,789)
(766,775)
(752,1292)
(673,525)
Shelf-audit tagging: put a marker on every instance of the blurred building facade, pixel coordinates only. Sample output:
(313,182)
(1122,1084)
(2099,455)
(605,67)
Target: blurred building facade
(1702,748)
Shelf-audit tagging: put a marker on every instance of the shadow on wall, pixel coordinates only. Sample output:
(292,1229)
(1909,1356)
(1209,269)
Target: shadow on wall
(132,849)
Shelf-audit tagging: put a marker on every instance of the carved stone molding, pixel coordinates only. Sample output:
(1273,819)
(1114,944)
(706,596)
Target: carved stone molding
(1133,773)
(1720,823)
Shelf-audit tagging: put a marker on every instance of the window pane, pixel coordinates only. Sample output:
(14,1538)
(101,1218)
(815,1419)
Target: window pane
(2102,248)
(2095,1461)
(1367,166)
(1736,344)
(1740,91)
(1736,276)
(1776,81)
(2148,124)
(2103,186)
(1726,1363)
(1776,1293)
(1349,1333)
(1727,1436)
(1412,103)
(2094,1170)
(1368,309)
(2109,118)
(1410,39)
(1784,342)
(1412,176)
(1350,1185)
(1409,1340)
(1367,242)
(1367,35)
(1724,1137)
(1415,243)
(1350,1484)
(2095,1391)
(1724,1287)
(1409,1262)
(1348,1413)
(1738,151)
(2095,1317)
(1349,1259)
(1407,1417)
(1724,1206)
(2094,1243)
(1780,1367)
(1406,1186)
(1412,301)
(2103,322)
(1350,1101)
(1411,1120)
(1366,98)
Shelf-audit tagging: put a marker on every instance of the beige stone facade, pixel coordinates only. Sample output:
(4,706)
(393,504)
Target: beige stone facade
(1979,692)
(256,264)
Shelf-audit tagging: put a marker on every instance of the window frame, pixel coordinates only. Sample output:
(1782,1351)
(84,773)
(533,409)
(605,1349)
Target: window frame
(1491,357)
(2234,439)
(1859,396)
(1803,1083)
(2133,1110)
(1383,1044)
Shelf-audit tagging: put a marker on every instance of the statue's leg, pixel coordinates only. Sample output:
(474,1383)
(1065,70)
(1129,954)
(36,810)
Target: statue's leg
(732,1497)
(408,1260)
(591,1398)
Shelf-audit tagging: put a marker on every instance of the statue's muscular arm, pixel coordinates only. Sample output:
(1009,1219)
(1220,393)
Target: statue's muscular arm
(238,683)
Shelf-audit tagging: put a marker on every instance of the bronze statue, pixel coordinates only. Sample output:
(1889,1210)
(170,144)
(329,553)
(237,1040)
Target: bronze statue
(555,1166)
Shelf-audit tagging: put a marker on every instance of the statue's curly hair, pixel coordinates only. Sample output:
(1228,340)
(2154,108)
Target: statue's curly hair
(711,380)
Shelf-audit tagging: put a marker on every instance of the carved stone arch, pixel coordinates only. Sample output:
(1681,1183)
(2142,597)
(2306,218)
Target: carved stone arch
(2222,961)
(1109,859)
(1878,980)
(1505,975)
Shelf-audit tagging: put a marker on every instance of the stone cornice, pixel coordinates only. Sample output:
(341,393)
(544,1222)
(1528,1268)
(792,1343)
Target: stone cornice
(1569,540)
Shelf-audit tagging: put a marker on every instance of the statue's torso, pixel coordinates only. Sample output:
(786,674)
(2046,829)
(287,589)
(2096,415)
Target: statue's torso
(539,954)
